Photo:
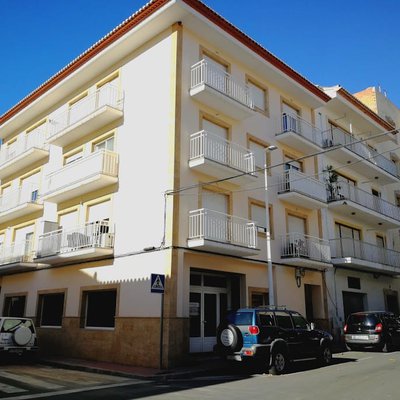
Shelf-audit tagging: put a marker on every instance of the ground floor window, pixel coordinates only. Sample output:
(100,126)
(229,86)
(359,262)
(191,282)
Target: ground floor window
(14,306)
(50,309)
(99,308)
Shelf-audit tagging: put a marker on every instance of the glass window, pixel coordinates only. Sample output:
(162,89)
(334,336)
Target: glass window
(243,318)
(51,309)
(299,321)
(283,320)
(107,144)
(215,281)
(259,299)
(266,318)
(100,308)
(258,215)
(259,153)
(14,306)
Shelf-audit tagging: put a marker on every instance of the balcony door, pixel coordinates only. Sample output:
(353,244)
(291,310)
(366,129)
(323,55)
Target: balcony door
(349,244)
(80,108)
(216,148)
(69,236)
(97,226)
(290,118)
(297,236)
(23,241)
(217,226)
(216,74)
(30,188)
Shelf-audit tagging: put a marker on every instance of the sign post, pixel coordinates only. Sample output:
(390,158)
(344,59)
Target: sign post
(158,286)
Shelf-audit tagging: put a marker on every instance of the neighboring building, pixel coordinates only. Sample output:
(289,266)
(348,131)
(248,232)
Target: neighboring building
(105,173)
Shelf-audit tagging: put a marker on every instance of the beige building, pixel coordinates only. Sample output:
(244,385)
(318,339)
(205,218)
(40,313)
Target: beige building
(146,155)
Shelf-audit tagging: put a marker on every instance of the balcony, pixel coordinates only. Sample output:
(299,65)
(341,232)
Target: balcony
(87,115)
(17,257)
(94,240)
(217,157)
(299,134)
(305,251)
(351,253)
(219,90)
(362,206)
(221,233)
(301,190)
(19,202)
(28,149)
(363,159)
(96,171)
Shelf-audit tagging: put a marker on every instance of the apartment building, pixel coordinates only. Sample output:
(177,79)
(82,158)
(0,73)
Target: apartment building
(146,155)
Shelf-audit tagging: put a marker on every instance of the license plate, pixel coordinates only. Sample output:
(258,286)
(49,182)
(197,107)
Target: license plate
(360,337)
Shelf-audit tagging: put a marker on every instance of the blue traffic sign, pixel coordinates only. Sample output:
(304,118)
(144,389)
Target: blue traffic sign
(157,283)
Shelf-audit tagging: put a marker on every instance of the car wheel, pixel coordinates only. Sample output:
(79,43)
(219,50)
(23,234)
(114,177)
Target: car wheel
(230,338)
(326,355)
(279,363)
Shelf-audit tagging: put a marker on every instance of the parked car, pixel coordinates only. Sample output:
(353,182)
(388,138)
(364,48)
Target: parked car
(273,336)
(18,336)
(376,329)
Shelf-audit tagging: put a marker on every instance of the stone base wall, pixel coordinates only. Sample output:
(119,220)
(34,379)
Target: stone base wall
(133,341)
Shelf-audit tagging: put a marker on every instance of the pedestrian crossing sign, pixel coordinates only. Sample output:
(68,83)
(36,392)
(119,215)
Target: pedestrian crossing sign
(157,283)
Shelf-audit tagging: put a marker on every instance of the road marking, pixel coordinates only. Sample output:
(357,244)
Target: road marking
(70,391)
(364,358)
(10,389)
(30,381)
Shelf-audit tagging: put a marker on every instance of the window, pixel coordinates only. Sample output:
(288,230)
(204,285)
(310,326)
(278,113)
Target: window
(105,144)
(353,283)
(99,308)
(266,318)
(257,214)
(376,193)
(14,306)
(51,309)
(259,96)
(299,321)
(380,241)
(292,164)
(343,231)
(72,157)
(258,149)
(283,320)
(259,299)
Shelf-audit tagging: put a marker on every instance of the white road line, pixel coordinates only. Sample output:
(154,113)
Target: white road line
(364,358)
(30,381)
(70,391)
(10,389)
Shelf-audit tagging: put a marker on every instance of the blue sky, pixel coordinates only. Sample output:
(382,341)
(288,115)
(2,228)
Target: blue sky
(354,43)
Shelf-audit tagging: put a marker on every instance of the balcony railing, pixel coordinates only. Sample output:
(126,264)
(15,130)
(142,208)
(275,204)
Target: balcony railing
(337,136)
(219,227)
(25,142)
(28,193)
(345,191)
(20,252)
(296,181)
(204,73)
(91,235)
(102,162)
(299,245)
(349,247)
(204,144)
(107,95)
(295,124)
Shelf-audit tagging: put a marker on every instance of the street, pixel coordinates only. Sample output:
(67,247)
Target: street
(352,376)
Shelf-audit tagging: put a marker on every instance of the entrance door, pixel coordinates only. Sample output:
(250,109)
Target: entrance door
(206,309)
(353,302)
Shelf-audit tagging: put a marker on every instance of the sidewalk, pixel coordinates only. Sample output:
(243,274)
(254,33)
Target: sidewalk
(198,364)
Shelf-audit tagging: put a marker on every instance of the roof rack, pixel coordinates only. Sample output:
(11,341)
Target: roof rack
(273,307)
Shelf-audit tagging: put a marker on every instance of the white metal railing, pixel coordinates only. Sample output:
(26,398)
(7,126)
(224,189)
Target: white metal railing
(219,227)
(204,73)
(16,252)
(345,191)
(25,141)
(336,136)
(300,245)
(99,234)
(100,162)
(107,95)
(296,181)
(28,193)
(210,146)
(293,123)
(349,247)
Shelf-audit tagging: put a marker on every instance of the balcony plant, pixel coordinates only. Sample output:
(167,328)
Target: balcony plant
(331,182)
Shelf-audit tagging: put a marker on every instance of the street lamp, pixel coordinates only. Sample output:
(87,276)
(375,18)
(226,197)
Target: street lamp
(271,294)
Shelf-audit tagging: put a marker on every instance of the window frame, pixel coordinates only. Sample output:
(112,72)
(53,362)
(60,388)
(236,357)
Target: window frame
(264,88)
(39,313)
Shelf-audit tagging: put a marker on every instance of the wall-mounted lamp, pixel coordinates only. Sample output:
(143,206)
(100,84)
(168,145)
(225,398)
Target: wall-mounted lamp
(298,274)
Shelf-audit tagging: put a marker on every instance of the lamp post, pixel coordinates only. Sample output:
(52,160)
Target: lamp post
(271,294)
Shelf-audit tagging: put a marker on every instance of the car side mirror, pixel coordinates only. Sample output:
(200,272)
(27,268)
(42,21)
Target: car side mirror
(312,326)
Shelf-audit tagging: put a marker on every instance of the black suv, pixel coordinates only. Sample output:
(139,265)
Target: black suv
(272,335)
(377,329)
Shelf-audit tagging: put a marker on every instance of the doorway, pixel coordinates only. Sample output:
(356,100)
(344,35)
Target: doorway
(353,302)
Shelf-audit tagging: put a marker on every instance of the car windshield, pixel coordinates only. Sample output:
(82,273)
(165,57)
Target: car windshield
(363,319)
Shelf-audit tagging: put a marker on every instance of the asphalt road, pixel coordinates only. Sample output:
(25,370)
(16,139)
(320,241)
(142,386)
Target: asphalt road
(352,376)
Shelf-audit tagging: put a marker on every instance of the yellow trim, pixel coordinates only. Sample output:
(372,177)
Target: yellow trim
(11,141)
(68,211)
(72,152)
(94,202)
(216,121)
(290,104)
(216,190)
(102,138)
(28,174)
(216,57)
(36,125)
(296,214)
(4,186)
(77,98)
(21,226)
(107,79)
